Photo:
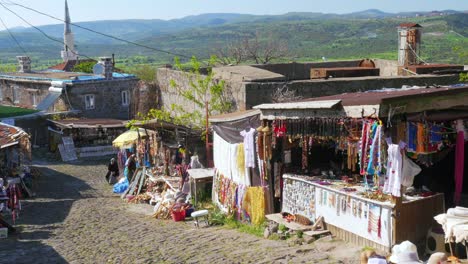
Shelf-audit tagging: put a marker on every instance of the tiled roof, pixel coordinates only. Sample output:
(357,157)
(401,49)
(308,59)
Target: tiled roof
(68,65)
(10,135)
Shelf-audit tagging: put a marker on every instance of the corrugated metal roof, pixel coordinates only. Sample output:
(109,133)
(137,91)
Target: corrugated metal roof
(322,104)
(234,116)
(67,77)
(50,99)
(10,135)
(89,123)
(377,97)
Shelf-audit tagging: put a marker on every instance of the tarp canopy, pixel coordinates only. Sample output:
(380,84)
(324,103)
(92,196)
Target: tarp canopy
(128,138)
(229,128)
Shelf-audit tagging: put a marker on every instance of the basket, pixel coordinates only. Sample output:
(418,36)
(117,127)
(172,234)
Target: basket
(178,215)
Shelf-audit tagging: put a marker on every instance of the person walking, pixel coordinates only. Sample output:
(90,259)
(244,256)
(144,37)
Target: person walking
(130,167)
(112,171)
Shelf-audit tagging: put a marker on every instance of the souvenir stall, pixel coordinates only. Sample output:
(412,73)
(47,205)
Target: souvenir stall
(241,185)
(342,163)
(90,137)
(161,177)
(15,178)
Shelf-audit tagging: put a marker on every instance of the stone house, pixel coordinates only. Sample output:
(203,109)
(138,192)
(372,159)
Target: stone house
(250,85)
(105,94)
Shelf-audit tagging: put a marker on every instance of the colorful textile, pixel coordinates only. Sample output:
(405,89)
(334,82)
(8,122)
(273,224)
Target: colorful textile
(254,204)
(394,166)
(412,130)
(241,159)
(459,165)
(249,147)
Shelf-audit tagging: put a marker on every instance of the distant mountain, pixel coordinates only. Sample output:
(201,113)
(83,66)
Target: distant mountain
(309,35)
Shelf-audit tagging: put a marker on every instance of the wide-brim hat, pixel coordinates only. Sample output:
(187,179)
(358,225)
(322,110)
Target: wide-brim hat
(405,253)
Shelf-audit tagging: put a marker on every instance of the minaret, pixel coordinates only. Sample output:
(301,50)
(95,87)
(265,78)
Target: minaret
(68,52)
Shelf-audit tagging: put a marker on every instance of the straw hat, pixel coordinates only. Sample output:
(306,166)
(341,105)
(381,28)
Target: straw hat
(404,253)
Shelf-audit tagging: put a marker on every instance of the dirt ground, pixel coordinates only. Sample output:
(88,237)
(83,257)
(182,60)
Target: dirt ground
(75,218)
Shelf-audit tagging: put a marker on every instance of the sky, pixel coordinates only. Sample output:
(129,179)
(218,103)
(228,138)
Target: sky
(90,10)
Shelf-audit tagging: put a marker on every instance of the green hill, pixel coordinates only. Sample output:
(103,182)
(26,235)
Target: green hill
(310,36)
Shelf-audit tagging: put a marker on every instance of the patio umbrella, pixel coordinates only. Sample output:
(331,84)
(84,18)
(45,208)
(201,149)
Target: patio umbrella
(128,138)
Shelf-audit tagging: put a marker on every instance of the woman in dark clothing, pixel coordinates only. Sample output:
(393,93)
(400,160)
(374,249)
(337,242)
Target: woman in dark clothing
(112,170)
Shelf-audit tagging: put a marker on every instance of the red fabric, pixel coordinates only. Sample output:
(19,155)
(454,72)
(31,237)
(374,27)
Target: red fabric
(459,165)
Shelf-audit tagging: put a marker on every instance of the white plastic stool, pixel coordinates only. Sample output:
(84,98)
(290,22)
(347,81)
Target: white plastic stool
(201,213)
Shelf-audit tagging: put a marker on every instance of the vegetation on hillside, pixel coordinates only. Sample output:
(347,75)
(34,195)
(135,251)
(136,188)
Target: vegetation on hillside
(308,36)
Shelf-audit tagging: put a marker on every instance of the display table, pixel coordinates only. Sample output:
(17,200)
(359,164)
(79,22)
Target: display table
(198,176)
(354,218)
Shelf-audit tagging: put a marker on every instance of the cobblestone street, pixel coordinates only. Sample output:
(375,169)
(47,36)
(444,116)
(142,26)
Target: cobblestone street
(75,218)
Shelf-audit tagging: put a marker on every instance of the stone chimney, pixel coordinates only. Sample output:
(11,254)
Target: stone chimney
(24,64)
(106,62)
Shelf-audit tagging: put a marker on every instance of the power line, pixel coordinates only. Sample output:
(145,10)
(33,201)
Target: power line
(100,33)
(13,37)
(45,34)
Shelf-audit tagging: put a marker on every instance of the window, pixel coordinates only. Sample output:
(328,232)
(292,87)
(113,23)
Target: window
(125,98)
(89,101)
(16,94)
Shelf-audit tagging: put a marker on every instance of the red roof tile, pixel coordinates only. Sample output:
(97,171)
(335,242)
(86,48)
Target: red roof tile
(10,135)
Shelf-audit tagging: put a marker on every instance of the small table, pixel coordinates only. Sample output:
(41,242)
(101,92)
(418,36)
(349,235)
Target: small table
(199,176)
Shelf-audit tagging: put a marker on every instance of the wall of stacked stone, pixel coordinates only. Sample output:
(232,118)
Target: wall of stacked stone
(26,90)
(261,92)
(170,95)
(107,98)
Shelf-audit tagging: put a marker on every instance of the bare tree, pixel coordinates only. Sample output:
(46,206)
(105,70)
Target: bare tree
(284,95)
(263,52)
(231,54)
(252,48)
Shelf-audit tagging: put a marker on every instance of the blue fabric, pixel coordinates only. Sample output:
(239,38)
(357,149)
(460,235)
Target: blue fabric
(435,134)
(412,130)
(121,187)
(370,166)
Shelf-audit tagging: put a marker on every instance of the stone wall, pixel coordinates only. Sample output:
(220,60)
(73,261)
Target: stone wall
(170,95)
(26,92)
(301,71)
(107,98)
(258,93)
(387,67)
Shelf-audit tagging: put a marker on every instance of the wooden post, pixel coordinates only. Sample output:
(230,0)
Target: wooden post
(395,219)
(207,136)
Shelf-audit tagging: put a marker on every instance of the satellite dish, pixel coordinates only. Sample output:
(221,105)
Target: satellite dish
(98,69)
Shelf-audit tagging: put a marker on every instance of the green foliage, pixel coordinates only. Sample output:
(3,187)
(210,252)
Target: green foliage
(299,233)
(144,72)
(85,66)
(203,91)
(10,111)
(463,77)
(282,228)
(7,68)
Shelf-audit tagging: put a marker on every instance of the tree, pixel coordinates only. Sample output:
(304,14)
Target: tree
(262,51)
(84,66)
(144,72)
(203,90)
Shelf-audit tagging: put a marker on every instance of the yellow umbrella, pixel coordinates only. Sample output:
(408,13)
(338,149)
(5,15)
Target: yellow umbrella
(128,138)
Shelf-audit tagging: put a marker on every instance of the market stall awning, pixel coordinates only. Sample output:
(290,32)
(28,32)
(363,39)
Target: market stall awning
(229,126)
(128,138)
(302,109)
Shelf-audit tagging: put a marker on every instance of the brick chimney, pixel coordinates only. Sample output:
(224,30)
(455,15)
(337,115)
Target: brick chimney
(106,62)
(24,63)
